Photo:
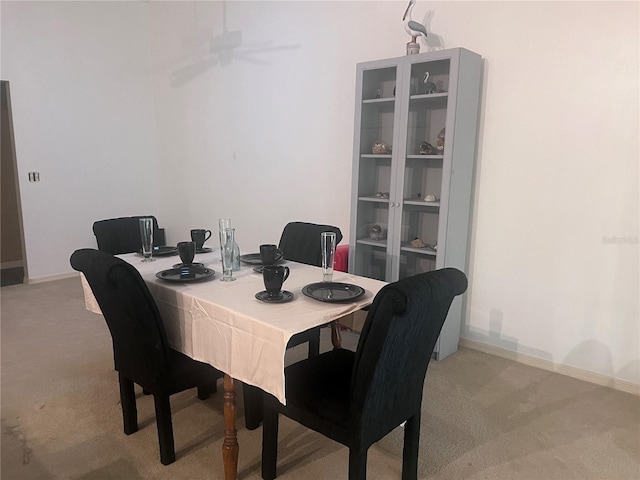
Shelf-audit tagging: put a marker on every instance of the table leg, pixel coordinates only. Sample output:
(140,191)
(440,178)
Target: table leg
(230,445)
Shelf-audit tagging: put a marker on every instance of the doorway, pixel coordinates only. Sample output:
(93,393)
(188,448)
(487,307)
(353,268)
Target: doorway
(12,261)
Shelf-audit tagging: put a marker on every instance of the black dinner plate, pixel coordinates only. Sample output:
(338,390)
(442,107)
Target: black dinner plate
(204,250)
(255,259)
(162,251)
(333,292)
(186,274)
(187,265)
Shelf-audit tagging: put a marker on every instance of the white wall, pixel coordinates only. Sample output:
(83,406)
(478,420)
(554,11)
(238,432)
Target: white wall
(83,117)
(265,136)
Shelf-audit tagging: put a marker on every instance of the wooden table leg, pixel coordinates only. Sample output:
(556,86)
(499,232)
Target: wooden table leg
(230,445)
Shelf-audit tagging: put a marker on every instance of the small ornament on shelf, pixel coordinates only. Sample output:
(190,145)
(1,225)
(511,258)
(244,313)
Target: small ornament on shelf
(440,141)
(427,149)
(380,148)
(375,232)
(378,94)
(382,195)
(430,198)
(417,243)
(429,87)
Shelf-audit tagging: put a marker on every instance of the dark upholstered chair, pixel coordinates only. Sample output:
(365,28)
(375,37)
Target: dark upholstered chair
(357,398)
(300,242)
(122,235)
(140,349)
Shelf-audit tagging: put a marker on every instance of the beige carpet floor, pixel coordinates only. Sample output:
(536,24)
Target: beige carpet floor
(484,417)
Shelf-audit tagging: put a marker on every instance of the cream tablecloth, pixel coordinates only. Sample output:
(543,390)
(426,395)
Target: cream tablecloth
(223,324)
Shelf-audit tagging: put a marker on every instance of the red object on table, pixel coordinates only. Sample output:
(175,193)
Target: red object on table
(341,262)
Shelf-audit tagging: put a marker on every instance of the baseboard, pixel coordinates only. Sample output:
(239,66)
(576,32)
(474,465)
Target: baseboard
(580,374)
(51,278)
(13,264)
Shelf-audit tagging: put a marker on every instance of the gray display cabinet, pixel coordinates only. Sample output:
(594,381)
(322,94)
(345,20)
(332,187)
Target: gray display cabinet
(397,108)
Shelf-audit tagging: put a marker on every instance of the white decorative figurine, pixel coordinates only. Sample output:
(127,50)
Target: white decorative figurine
(414,29)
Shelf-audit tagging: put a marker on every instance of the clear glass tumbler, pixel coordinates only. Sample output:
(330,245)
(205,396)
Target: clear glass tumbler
(146,234)
(227,243)
(328,244)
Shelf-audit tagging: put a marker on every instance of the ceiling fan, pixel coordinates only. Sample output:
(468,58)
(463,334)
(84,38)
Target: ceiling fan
(222,50)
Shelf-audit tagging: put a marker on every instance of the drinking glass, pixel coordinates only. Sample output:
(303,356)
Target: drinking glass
(226,248)
(224,223)
(328,245)
(146,234)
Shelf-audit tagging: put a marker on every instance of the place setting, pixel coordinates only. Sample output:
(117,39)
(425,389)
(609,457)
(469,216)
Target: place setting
(274,276)
(187,270)
(329,291)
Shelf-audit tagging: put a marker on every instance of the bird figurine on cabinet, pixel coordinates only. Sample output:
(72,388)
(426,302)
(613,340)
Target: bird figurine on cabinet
(413,28)
(429,87)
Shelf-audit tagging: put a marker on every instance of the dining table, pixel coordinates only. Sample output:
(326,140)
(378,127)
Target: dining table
(225,325)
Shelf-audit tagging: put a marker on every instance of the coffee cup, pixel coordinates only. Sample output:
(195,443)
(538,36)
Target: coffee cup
(270,254)
(199,236)
(274,276)
(187,250)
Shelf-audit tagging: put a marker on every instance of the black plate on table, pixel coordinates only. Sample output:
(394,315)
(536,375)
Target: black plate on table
(255,259)
(187,265)
(333,292)
(186,274)
(162,251)
(284,297)
(204,250)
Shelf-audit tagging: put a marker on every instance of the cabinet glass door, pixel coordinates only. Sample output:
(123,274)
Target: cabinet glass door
(376,129)
(422,186)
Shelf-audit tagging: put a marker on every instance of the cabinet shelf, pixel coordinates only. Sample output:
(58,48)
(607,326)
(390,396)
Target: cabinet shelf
(372,243)
(424,157)
(420,251)
(374,199)
(422,203)
(379,100)
(429,96)
(376,155)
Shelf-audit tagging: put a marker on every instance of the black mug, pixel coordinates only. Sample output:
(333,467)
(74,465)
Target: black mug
(187,250)
(274,276)
(200,235)
(269,254)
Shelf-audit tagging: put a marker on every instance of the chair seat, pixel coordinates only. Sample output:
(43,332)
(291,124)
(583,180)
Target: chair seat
(185,372)
(319,387)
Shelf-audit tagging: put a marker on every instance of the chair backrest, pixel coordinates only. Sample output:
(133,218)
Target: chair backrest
(300,242)
(122,235)
(395,346)
(140,346)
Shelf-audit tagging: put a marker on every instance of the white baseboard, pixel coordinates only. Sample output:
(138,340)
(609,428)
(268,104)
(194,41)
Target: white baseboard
(580,374)
(13,264)
(51,278)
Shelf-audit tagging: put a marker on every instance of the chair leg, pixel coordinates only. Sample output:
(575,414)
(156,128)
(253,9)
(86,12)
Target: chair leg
(252,406)
(357,465)
(410,449)
(314,343)
(269,444)
(165,428)
(128,402)
(205,391)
